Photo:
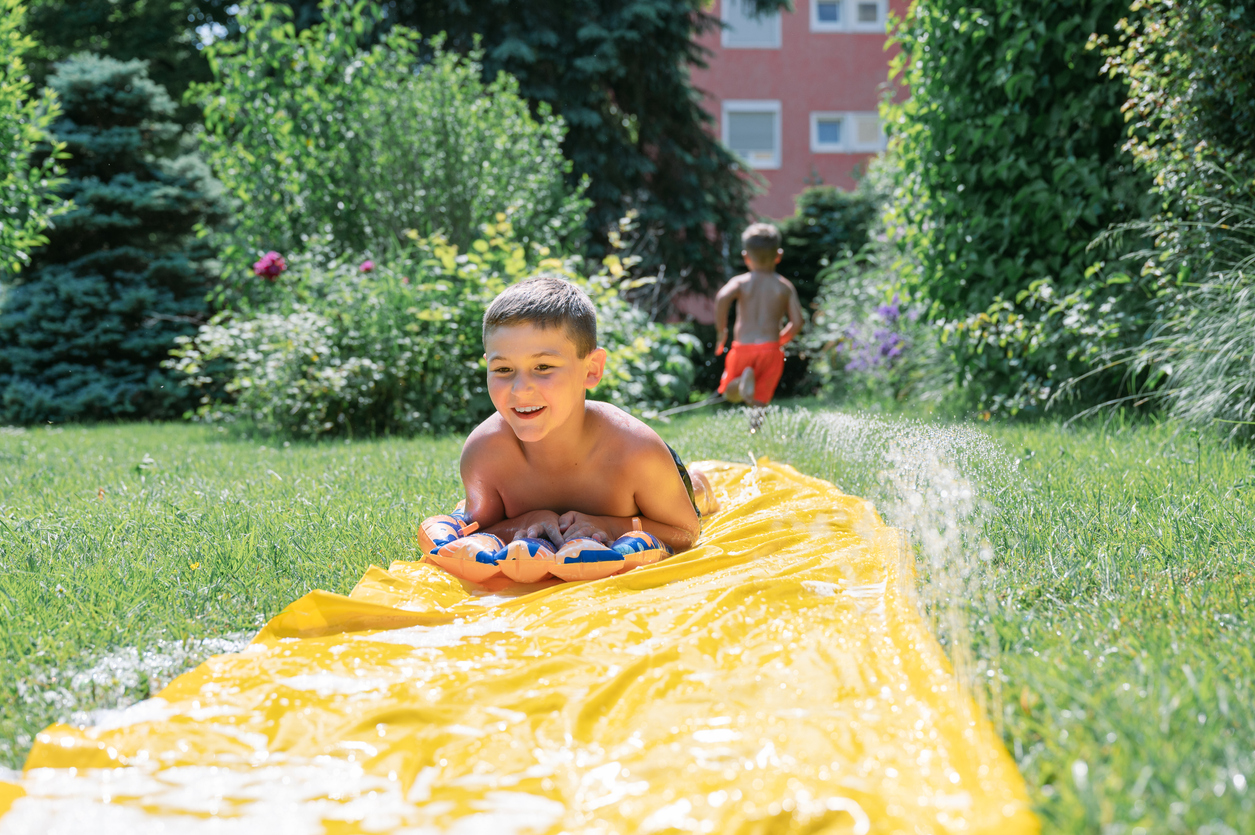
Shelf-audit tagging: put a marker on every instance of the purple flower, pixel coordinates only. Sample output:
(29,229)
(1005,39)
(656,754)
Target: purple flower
(270,266)
(367,266)
(891,311)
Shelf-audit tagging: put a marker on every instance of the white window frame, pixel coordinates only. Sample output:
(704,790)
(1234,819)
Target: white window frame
(723,35)
(849,133)
(818,25)
(754,106)
(849,17)
(818,147)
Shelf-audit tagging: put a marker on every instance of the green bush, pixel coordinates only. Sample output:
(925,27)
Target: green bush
(318,135)
(1191,111)
(337,349)
(1011,165)
(1199,361)
(619,74)
(829,224)
(28,200)
(869,342)
(84,330)
(1190,70)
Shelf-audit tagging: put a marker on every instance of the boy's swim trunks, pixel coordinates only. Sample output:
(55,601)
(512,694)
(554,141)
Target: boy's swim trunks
(684,476)
(767,360)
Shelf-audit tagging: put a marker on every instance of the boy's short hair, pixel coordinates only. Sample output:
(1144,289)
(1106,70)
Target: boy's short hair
(546,301)
(761,238)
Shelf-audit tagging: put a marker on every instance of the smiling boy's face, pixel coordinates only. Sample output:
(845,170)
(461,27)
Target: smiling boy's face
(537,379)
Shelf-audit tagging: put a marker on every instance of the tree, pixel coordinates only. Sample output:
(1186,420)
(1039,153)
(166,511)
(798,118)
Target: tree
(27,179)
(618,74)
(84,330)
(168,34)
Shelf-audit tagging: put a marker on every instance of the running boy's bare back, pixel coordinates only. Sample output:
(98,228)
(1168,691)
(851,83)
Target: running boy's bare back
(764,298)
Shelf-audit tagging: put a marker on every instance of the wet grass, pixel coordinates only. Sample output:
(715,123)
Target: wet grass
(146,536)
(1126,590)
(1117,608)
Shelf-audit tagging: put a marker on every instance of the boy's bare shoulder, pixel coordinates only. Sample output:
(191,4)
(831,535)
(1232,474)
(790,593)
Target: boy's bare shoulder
(488,440)
(735,283)
(788,284)
(625,434)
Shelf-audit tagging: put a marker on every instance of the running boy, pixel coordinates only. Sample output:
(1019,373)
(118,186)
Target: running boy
(551,464)
(756,359)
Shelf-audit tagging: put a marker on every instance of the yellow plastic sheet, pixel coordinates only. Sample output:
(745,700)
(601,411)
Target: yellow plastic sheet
(776,679)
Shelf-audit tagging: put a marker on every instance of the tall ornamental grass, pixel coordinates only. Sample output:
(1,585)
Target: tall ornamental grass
(1191,112)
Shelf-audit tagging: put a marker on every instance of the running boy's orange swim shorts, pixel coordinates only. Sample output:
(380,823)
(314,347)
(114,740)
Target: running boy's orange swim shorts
(767,360)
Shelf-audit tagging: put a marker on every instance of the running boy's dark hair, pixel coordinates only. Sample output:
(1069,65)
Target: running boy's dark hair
(546,301)
(761,239)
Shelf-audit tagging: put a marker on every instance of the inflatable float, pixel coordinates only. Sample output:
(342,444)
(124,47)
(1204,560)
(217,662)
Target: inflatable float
(777,678)
(451,542)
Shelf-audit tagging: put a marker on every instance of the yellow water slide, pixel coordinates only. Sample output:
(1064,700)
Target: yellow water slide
(775,679)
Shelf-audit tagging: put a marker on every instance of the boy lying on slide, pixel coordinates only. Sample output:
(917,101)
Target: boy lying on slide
(550,463)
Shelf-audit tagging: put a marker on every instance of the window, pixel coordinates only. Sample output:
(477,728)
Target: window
(746,30)
(869,16)
(826,16)
(868,134)
(752,130)
(846,133)
(848,15)
(827,133)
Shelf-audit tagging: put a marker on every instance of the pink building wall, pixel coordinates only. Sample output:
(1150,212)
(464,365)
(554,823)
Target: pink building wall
(810,72)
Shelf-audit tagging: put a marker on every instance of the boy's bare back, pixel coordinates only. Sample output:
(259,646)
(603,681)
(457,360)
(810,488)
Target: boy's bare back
(763,300)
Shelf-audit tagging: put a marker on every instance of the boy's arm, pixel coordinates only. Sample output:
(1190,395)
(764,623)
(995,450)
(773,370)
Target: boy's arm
(723,303)
(484,504)
(666,511)
(796,318)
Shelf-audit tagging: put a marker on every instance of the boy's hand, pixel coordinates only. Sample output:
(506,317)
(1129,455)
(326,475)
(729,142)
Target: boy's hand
(719,345)
(540,523)
(575,525)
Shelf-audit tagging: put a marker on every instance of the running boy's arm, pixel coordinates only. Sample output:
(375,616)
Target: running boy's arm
(796,319)
(723,304)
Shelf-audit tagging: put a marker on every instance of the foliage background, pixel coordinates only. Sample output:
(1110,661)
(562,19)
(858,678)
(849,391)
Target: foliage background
(315,136)
(1192,129)
(617,73)
(27,181)
(1010,164)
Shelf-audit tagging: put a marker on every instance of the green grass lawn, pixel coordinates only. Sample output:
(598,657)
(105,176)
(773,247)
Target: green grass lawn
(1106,624)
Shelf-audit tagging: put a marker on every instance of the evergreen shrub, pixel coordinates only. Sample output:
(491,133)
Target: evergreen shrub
(318,135)
(1011,164)
(342,346)
(84,330)
(828,224)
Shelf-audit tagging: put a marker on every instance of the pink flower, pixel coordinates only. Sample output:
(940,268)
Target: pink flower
(270,266)
(367,266)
